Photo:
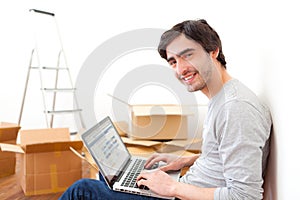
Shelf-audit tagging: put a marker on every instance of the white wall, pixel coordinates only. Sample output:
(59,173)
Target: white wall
(260,41)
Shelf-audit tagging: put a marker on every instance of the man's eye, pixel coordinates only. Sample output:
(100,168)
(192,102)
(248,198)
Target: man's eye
(172,63)
(187,55)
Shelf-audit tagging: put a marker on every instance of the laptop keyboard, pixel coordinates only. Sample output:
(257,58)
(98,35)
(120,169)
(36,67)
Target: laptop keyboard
(137,167)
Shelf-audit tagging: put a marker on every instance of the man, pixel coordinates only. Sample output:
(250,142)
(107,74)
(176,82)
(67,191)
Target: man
(236,129)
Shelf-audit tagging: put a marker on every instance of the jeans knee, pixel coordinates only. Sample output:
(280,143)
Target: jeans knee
(81,182)
(81,189)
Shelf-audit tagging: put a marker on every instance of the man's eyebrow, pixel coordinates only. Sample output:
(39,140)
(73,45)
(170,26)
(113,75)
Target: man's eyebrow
(185,51)
(181,53)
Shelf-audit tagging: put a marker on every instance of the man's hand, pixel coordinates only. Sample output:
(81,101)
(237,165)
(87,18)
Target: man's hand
(161,183)
(157,181)
(173,162)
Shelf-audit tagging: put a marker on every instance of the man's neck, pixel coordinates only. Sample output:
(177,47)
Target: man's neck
(219,78)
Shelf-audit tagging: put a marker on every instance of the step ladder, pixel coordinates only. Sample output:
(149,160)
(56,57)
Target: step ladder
(58,67)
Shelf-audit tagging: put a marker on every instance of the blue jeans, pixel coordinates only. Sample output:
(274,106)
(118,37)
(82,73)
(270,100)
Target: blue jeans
(92,189)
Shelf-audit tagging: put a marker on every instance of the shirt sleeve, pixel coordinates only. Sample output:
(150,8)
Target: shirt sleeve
(242,135)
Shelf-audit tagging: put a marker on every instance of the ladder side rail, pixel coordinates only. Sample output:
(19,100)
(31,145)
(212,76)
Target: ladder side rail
(42,90)
(40,69)
(55,87)
(25,88)
(79,113)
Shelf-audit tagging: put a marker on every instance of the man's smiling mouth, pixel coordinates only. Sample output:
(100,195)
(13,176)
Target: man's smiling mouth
(188,78)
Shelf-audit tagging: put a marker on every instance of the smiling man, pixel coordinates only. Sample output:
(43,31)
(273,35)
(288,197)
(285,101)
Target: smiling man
(235,135)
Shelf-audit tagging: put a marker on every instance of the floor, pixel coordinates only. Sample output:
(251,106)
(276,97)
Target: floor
(11,190)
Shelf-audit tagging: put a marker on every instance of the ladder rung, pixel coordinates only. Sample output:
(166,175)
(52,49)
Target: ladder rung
(51,68)
(59,89)
(62,111)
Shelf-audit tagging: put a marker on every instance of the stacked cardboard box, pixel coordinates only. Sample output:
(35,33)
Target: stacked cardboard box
(47,165)
(158,128)
(158,122)
(8,134)
(148,147)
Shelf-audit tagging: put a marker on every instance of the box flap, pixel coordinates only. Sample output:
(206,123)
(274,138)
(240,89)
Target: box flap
(88,158)
(11,148)
(184,153)
(147,110)
(54,146)
(184,143)
(50,135)
(146,143)
(141,151)
(8,131)
(156,109)
(8,125)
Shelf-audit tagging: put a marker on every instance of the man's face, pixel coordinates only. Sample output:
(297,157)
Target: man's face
(191,63)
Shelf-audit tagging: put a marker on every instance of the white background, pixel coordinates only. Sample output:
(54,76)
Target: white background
(260,42)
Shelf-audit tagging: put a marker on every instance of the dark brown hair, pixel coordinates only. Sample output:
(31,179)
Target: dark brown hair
(197,30)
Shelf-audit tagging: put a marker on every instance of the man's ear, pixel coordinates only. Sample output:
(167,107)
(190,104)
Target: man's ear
(215,53)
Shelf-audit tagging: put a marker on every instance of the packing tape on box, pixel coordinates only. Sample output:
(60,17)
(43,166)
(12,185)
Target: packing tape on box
(54,181)
(54,184)
(57,150)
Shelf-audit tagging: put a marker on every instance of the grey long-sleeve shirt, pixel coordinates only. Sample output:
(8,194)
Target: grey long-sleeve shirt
(235,145)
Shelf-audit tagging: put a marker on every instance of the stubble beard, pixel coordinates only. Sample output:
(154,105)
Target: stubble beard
(204,75)
(199,83)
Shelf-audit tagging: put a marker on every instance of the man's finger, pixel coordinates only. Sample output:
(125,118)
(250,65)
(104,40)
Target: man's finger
(165,168)
(142,175)
(152,162)
(141,182)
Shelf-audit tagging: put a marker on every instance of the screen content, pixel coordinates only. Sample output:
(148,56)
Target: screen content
(107,148)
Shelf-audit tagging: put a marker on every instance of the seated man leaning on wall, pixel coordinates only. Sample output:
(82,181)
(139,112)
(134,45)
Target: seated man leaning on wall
(236,129)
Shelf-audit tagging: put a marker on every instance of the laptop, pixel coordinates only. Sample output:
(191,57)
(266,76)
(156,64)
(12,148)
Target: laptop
(117,166)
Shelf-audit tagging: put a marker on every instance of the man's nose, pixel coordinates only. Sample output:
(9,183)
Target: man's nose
(182,66)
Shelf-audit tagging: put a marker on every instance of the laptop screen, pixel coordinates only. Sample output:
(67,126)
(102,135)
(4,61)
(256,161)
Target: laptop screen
(107,148)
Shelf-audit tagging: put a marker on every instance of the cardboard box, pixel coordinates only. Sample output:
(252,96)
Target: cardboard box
(8,131)
(191,145)
(8,134)
(47,165)
(147,147)
(142,148)
(87,157)
(122,128)
(159,122)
